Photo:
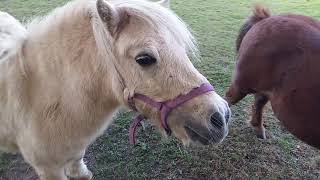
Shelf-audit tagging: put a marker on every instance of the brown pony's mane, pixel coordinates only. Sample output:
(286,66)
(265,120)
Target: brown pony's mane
(259,13)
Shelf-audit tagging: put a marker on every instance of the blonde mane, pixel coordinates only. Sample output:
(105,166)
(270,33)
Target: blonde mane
(155,15)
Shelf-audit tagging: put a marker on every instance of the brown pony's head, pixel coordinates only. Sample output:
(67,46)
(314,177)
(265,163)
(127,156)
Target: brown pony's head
(151,53)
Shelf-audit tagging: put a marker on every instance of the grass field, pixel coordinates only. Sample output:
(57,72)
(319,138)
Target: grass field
(240,156)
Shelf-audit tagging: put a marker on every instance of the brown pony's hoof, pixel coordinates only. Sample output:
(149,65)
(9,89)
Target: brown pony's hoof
(260,132)
(261,135)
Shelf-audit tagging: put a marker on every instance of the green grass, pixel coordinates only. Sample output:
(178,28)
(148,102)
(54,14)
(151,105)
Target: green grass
(241,156)
(4,161)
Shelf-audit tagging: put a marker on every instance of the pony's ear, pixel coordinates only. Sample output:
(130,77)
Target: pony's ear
(115,19)
(164,3)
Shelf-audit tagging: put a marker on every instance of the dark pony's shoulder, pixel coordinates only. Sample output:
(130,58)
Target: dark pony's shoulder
(259,13)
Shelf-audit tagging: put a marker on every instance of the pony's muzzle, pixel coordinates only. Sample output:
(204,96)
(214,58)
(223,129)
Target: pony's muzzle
(218,126)
(198,134)
(215,132)
(217,120)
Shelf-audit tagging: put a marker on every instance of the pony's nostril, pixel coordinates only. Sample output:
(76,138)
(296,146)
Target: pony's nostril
(227,116)
(217,120)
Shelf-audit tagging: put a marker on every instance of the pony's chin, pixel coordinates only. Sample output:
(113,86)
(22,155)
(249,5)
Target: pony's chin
(196,139)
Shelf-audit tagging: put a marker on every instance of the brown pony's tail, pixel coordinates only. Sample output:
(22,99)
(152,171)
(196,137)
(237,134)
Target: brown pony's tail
(259,13)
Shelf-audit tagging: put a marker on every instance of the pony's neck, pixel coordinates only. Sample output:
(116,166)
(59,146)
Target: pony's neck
(63,56)
(65,36)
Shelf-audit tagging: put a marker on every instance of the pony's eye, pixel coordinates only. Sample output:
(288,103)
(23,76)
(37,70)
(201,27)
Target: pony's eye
(145,60)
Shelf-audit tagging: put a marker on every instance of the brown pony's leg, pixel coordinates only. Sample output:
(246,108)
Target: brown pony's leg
(259,102)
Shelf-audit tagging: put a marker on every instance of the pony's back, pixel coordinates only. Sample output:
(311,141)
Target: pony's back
(12,35)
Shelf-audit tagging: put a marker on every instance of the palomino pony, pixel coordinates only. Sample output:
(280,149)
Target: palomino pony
(64,76)
(278,59)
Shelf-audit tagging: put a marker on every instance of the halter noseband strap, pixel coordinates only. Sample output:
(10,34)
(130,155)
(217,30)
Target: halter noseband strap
(164,107)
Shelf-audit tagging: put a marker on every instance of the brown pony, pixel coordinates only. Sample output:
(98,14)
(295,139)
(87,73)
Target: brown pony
(278,60)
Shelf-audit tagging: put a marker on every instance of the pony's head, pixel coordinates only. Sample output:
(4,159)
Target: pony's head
(151,50)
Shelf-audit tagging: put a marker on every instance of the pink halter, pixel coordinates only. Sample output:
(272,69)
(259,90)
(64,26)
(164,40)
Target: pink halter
(164,107)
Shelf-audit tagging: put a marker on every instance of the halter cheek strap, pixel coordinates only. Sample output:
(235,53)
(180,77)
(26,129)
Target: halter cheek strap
(164,107)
